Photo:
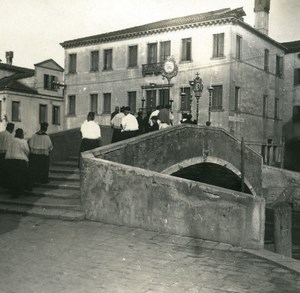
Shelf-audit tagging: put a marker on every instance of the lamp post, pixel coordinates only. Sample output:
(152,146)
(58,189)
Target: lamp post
(210,92)
(152,85)
(197,87)
(182,95)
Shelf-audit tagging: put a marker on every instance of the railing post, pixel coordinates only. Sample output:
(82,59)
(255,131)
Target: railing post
(283,228)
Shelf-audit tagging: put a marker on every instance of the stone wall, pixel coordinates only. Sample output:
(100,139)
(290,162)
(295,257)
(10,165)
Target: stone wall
(162,149)
(125,195)
(67,143)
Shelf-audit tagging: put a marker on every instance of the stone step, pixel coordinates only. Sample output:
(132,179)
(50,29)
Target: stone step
(63,177)
(32,200)
(56,193)
(69,163)
(60,184)
(64,169)
(50,213)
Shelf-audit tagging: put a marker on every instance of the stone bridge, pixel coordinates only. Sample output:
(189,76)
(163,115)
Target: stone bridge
(131,183)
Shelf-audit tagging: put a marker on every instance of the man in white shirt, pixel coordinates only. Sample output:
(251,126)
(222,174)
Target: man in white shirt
(129,124)
(90,133)
(116,125)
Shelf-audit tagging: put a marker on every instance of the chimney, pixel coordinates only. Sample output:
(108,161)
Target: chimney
(9,57)
(261,10)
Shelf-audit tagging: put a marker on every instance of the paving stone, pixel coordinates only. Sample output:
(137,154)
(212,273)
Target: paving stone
(41,255)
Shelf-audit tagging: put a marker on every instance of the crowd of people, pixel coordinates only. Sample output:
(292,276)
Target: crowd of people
(126,125)
(24,163)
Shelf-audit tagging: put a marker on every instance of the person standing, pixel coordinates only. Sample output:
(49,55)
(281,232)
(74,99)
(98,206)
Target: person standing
(113,114)
(16,158)
(116,125)
(130,125)
(6,137)
(90,133)
(40,147)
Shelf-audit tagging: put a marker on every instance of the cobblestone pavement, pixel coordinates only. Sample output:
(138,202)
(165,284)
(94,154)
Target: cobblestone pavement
(39,255)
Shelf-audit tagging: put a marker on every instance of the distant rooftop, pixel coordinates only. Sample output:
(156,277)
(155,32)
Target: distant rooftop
(159,26)
(292,47)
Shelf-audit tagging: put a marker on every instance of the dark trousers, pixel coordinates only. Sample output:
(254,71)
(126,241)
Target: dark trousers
(18,178)
(129,134)
(88,144)
(39,168)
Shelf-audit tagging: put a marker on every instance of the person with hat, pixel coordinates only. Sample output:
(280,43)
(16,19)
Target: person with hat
(116,125)
(6,137)
(40,147)
(129,124)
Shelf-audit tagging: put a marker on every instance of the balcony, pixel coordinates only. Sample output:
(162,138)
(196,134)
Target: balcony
(152,68)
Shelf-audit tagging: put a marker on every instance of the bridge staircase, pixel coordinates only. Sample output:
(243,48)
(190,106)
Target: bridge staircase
(59,199)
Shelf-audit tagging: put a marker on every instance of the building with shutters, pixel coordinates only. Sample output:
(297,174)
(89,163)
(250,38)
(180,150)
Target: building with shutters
(242,64)
(30,96)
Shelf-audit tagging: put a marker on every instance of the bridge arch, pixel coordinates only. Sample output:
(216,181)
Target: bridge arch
(185,164)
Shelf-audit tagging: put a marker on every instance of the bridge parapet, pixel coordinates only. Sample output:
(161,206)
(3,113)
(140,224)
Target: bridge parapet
(123,184)
(160,150)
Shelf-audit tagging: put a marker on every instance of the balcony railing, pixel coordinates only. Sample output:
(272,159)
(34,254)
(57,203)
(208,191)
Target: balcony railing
(152,68)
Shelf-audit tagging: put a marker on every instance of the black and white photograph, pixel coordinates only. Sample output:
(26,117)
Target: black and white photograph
(149,146)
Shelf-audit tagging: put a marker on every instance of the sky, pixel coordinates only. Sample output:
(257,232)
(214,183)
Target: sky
(34,29)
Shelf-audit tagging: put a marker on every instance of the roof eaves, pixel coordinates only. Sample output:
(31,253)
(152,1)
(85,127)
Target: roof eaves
(195,20)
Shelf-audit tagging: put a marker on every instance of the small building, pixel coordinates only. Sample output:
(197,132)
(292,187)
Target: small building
(243,65)
(31,96)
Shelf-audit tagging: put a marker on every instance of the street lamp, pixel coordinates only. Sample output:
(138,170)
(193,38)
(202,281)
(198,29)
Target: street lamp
(210,92)
(197,87)
(182,95)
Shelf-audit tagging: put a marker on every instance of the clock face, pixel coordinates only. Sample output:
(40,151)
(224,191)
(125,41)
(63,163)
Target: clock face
(169,66)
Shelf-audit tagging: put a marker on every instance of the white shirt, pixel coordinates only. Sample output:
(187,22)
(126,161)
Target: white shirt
(18,149)
(5,138)
(90,130)
(129,123)
(117,120)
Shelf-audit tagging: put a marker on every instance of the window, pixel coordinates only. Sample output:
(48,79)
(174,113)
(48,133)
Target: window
(265,106)
(49,82)
(296,76)
(276,108)
(266,60)
(107,62)
(55,115)
(279,66)
(186,100)
(132,56)
(218,45)
(165,50)
(132,101)
(150,100)
(107,103)
(238,54)
(15,115)
(236,98)
(296,114)
(217,98)
(72,105)
(43,114)
(186,51)
(152,53)
(164,97)
(94,103)
(94,60)
(72,63)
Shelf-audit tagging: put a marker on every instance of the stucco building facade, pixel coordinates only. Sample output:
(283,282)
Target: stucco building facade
(30,96)
(242,64)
